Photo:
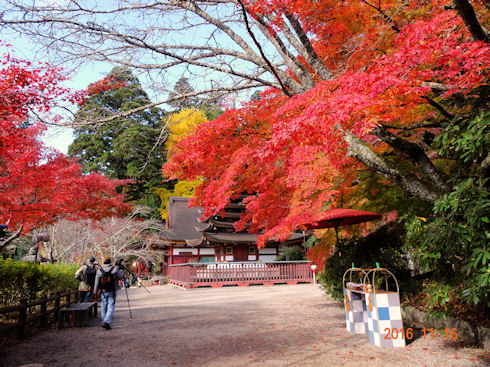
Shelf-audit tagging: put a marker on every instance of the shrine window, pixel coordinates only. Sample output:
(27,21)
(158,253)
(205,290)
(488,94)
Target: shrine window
(229,250)
(251,250)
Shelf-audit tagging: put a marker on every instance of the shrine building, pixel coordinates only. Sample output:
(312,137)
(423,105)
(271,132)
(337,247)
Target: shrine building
(192,240)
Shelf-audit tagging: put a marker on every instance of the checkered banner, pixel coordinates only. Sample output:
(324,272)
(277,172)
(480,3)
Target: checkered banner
(385,325)
(356,317)
(373,312)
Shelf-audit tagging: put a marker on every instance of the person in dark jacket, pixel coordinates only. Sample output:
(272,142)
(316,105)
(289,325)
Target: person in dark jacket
(86,275)
(106,282)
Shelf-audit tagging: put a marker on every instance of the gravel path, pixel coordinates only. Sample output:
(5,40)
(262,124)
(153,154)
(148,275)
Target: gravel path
(232,326)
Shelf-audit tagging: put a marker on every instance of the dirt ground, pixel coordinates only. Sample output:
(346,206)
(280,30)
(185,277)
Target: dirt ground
(281,325)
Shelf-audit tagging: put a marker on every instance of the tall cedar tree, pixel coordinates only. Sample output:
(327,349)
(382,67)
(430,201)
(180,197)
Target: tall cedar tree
(127,148)
(182,87)
(211,107)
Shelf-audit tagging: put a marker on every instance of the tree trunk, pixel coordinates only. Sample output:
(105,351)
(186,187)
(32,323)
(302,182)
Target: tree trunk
(364,154)
(467,12)
(416,154)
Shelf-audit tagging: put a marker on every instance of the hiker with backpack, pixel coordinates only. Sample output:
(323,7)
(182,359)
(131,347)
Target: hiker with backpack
(106,282)
(86,275)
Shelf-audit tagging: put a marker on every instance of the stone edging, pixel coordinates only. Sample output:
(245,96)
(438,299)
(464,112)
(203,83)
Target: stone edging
(477,335)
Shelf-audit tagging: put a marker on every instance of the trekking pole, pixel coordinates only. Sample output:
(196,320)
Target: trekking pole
(127,297)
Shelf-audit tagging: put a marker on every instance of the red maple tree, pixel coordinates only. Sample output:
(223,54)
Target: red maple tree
(392,73)
(39,185)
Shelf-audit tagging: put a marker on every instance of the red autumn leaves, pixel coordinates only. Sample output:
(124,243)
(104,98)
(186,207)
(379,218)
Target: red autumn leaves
(293,151)
(38,185)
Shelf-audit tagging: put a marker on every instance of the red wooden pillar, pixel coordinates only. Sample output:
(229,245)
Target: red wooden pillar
(171,258)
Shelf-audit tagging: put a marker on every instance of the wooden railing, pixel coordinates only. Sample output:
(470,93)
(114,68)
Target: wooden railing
(26,315)
(192,275)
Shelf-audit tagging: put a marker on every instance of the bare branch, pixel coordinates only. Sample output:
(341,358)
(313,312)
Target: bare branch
(309,52)
(423,125)
(271,67)
(383,14)
(80,32)
(13,236)
(289,58)
(167,100)
(441,109)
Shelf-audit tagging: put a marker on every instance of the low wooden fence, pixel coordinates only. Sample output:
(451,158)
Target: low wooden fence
(47,306)
(193,275)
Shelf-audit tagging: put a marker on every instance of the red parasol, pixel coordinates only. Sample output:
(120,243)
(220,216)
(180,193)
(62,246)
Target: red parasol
(339,217)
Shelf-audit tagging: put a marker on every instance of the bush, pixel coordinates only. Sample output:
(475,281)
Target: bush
(382,246)
(453,245)
(20,280)
(291,254)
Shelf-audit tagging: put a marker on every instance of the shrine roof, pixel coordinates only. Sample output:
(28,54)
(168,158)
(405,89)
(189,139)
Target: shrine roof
(224,237)
(234,206)
(182,220)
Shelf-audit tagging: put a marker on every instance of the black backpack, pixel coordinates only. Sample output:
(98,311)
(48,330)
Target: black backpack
(107,281)
(89,275)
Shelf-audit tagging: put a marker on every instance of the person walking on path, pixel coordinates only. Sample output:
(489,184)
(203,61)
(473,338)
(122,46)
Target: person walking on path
(86,275)
(106,281)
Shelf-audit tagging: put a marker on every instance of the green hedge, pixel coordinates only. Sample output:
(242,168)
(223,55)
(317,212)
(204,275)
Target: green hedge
(27,280)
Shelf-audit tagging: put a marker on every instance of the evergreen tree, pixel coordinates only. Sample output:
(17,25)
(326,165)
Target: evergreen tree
(210,107)
(128,147)
(182,87)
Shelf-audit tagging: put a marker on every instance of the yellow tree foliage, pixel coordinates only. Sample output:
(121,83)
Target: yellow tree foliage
(182,188)
(183,124)
(180,125)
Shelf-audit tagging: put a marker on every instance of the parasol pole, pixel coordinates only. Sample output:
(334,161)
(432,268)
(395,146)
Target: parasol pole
(338,243)
(337,235)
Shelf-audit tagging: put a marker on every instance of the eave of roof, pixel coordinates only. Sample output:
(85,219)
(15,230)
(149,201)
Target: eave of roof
(201,227)
(196,243)
(223,224)
(224,237)
(232,215)
(235,206)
